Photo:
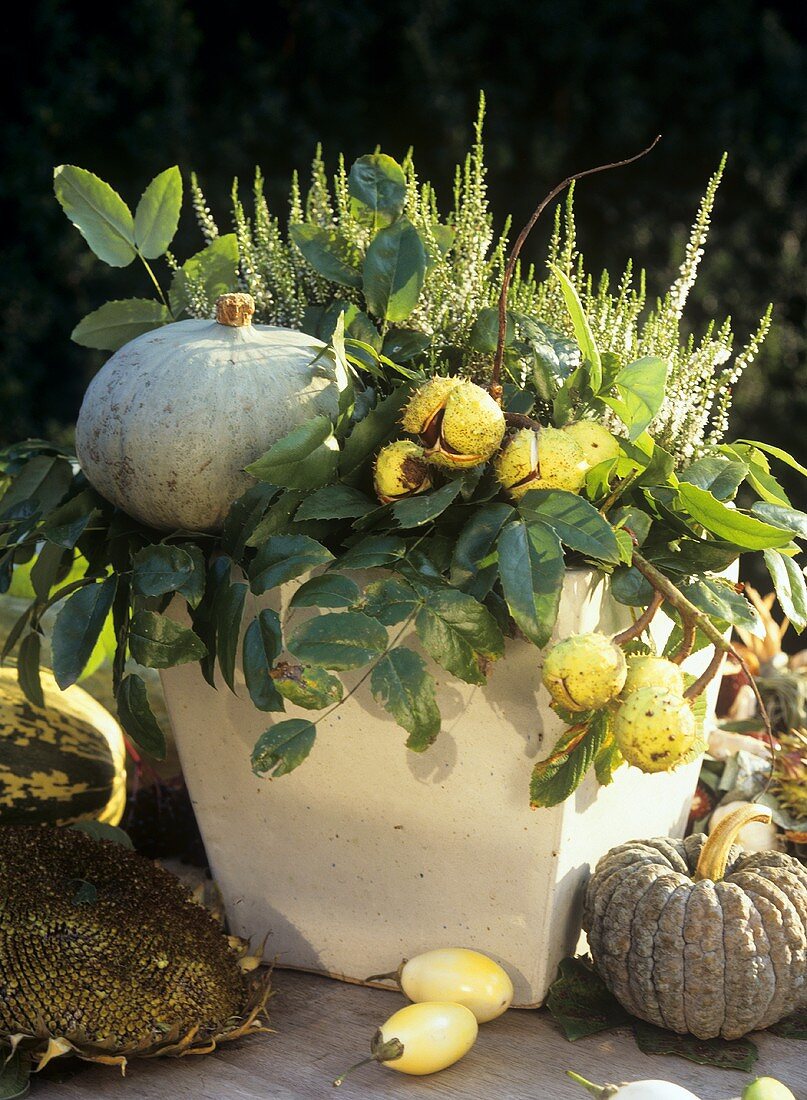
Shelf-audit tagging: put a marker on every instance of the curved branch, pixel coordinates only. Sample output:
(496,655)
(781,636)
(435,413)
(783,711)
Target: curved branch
(642,623)
(495,382)
(687,642)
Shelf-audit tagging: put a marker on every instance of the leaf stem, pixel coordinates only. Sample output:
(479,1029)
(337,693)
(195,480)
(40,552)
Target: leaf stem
(153,278)
(495,382)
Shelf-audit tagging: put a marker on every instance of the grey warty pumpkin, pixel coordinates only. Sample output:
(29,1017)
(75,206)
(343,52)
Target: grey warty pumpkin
(171,420)
(696,936)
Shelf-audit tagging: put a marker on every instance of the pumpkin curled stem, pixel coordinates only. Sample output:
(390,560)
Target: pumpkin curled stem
(715,853)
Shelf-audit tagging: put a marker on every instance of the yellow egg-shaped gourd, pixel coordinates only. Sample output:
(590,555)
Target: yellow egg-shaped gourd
(458,974)
(434,1035)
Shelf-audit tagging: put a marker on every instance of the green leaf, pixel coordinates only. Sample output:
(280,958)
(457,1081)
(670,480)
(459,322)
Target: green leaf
(474,543)
(577,523)
(561,773)
(791,591)
(484,334)
(736,1054)
(458,632)
(284,557)
(28,668)
(581,1004)
(338,640)
(99,830)
(630,588)
(159,569)
(158,642)
(377,187)
(263,642)
(46,569)
(283,747)
(380,424)
(157,215)
(777,452)
(327,590)
(278,517)
(401,683)
(792,1027)
(308,687)
(582,329)
(15,1073)
(790,519)
(335,502)
(228,611)
(607,760)
(720,476)
(77,629)
(66,524)
(137,717)
(729,523)
(244,516)
(403,344)
(215,267)
(394,270)
(390,600)
(99,213)
(372,552)
(306,458)
(641,386)
(719,599)
(118,322)
(424,507)
(193,589)
(328,252)
(531,569)
(42,482)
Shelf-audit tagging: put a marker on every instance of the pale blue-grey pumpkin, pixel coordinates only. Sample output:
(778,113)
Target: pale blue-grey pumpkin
(171,420)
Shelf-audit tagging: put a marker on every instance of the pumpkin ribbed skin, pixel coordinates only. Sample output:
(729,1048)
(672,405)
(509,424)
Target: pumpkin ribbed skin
(708,958)
(60,763)
(137,968)
(171,420)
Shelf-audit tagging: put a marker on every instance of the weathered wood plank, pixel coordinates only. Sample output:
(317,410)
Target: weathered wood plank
(325,1026)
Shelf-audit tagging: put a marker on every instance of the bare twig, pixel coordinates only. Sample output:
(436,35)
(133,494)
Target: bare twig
(495,382)
(642,623)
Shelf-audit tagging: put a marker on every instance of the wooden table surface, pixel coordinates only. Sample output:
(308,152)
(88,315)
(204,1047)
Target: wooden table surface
(323,1026)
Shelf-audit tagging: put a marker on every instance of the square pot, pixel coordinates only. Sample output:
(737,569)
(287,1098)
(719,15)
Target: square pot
(369,853)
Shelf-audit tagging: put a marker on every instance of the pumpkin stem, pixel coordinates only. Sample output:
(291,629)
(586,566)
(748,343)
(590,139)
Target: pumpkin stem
(714,856)
(234,310)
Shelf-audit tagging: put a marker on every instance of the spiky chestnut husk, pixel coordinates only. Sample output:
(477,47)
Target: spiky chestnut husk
(645,670)
(544,458)
(459,423)
(594,440)
(400,471)
(584,672)
(105,955)
(656,730)
(790,774)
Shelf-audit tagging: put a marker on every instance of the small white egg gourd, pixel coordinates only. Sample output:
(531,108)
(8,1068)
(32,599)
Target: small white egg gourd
(422,1038)
(173,417)
(635,1090)
(455,974)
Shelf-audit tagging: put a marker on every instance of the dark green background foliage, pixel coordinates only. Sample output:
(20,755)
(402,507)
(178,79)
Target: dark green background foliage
(129,89)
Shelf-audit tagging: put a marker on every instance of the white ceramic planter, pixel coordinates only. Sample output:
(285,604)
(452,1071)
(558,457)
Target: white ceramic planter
(369,853)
